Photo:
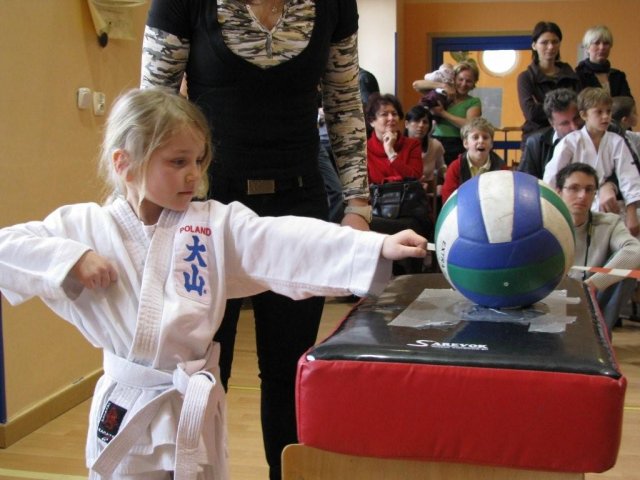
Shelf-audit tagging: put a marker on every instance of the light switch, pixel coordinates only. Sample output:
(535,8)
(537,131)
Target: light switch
(84,98)
(99,103)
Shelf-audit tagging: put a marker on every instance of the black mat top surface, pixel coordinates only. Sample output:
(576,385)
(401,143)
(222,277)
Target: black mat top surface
(368,334)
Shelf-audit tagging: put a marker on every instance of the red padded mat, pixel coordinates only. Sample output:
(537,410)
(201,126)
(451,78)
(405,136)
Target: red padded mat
(532,400)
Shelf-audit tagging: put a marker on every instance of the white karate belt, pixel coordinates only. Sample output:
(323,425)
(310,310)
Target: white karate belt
(201,393)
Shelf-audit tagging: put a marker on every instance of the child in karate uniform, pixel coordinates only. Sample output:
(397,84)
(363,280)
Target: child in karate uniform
(605,151)
(145,277)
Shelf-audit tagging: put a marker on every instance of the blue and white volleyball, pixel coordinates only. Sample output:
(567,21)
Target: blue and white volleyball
(504,239)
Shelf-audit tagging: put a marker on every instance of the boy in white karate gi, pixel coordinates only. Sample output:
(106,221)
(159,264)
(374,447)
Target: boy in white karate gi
(146,276)
(605,151)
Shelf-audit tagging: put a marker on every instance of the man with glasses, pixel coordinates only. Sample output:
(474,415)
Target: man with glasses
(602,240)
(606,152)
(561,108)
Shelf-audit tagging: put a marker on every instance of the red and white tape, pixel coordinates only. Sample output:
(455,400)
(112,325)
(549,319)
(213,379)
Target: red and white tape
(618,272)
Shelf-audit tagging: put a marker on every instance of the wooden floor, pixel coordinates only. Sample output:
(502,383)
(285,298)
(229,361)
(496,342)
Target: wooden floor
(56,451)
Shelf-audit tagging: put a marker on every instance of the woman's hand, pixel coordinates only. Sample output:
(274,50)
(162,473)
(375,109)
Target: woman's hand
(355,221)
(94,271)
(451,92)
(388,142)
(404,244)
(437,111)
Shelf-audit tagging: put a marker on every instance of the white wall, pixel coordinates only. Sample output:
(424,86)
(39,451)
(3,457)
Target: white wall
(376,41)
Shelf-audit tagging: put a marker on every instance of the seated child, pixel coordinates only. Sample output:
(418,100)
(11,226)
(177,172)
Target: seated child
(624,114)
(605,151)
(146,276)
(432,97)
(477,138)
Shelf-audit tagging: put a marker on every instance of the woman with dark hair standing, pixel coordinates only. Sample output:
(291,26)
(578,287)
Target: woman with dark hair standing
(545,73)
(595,70)
(263,60)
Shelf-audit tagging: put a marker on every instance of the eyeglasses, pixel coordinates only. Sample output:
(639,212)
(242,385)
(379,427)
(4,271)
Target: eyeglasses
(576,189)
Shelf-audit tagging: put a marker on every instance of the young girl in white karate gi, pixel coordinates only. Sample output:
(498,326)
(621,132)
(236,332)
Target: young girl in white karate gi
(146,276)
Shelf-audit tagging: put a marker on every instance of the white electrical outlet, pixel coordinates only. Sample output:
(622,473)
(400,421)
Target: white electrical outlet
(99,103)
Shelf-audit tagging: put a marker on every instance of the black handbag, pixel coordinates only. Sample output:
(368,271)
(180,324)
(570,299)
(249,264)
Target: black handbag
(399,199)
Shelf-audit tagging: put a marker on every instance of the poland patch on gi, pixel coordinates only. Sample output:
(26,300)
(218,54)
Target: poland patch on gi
(192,262)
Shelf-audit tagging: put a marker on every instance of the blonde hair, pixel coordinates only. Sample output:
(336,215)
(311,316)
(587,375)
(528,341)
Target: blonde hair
(599,32)
(591,97)
(478,123)
(140,122)
(465,65)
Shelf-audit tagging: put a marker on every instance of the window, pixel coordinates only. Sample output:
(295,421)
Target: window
(499,62)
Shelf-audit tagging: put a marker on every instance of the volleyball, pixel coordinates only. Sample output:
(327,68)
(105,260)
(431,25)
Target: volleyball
(504,239)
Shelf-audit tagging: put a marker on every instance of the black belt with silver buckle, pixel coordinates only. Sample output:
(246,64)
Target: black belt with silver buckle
(269,186)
